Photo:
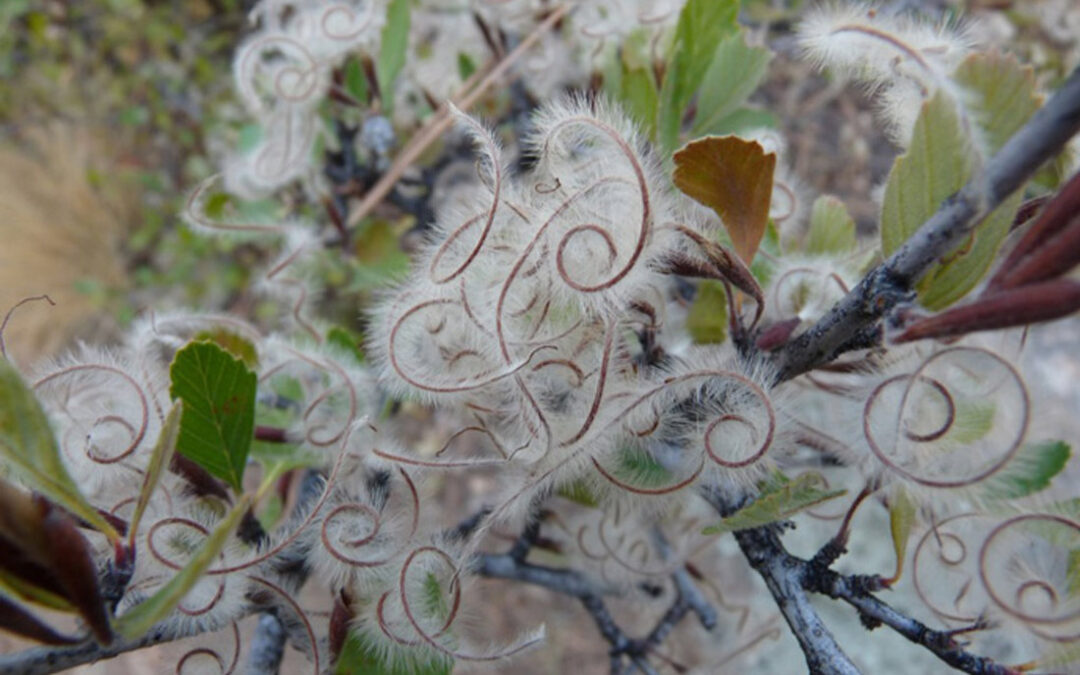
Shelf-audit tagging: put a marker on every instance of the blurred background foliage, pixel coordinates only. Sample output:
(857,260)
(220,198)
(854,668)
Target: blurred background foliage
(129,100)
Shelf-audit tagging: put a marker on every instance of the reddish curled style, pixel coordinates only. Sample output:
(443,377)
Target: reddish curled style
(356,516)
(943,568)
(284,599)
(1026,566)
(434,628)
(200,655)
(966,397)
(88,388)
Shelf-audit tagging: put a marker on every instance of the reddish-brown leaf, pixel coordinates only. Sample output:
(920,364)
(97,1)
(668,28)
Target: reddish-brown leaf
(339,625)
(16,619)
(777,335)
(721,265)
(1002,309)
(1050,247)
(75,569)
(734,178)
(200,482)
(41,546)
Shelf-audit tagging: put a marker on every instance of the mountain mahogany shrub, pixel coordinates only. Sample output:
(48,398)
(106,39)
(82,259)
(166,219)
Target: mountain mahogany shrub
(215,467)
(528,312)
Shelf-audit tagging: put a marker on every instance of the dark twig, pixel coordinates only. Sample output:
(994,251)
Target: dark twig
(565,581)
(852,591)
(784,578)
(50,659)
(291,568)
(767,556)
(789,578)
(685,588)
(688,598)
(855,318)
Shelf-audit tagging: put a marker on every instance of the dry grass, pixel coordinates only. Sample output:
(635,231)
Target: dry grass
(57,233)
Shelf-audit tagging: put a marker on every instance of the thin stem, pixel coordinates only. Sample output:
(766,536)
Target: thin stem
(49,659)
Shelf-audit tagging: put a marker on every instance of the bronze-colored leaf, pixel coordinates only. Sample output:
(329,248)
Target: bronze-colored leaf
(734,178)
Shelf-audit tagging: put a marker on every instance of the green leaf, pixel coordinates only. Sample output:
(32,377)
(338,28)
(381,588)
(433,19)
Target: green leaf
(832,230)
(937,164)
(465,65)
(356,84)
(395,42)
(216,205)
(638,467)
(742,120)
(702,25)
(736,71)
(779,499)
(250,136)
(29,447)
(1000,95)
(218,422)
(947,283)
(435,603)
(638,95)
(902,513)
(1030,471)
(362,656)
(1072,573)
(578,492)
(973,420)
(238,346)
(378,258)
(159,460)
(271,512)
(346,341)
(142,617)
(708,318)
(12,586)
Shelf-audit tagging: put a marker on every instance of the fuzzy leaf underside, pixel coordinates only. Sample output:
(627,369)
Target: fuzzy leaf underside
(832,229)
